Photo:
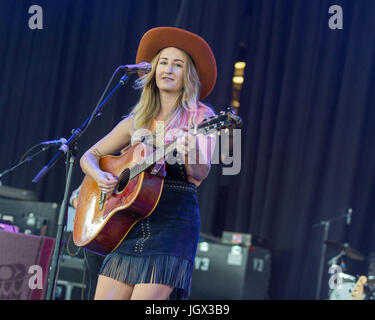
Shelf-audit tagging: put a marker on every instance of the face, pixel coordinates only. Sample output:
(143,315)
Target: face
(170,70)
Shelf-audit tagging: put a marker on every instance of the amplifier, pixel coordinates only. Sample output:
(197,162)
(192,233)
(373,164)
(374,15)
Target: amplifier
(78,273)
(246,239)
(230,272)
(31,217)
(24,265)
(71,283)
(236,238)
(16,193)
(66,290)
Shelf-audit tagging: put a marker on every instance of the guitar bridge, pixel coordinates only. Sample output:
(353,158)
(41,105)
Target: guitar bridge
(101,200)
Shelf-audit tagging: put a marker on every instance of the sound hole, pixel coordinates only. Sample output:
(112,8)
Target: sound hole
(123,180)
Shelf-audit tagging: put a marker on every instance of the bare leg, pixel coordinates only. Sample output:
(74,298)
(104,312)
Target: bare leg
(110,289)
(151,291)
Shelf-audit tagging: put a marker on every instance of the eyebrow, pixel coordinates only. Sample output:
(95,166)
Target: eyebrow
(173,60)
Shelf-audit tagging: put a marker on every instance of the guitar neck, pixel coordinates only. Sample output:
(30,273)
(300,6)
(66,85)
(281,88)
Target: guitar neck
(213,124)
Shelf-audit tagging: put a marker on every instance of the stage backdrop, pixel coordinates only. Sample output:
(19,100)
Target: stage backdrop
(307,101)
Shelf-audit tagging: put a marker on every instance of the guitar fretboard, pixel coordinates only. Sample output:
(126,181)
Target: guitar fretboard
(156,156)
(160,153)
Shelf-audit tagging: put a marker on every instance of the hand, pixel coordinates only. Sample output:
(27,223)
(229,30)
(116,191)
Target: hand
(106,182)
(187,145)
(75,203)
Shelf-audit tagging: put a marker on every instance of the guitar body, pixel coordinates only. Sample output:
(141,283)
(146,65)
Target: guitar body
(101,227)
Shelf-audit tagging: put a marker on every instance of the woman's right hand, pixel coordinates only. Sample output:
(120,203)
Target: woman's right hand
(106,182)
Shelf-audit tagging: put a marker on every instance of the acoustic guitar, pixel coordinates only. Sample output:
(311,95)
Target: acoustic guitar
(101,223)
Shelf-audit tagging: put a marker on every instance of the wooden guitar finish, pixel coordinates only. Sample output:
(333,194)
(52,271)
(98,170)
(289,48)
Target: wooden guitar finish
(103,230)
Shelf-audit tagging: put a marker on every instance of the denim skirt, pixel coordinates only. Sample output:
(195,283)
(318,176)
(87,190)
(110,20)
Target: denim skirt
(161,248)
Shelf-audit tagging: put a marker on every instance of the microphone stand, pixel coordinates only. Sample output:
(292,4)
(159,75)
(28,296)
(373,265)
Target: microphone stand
(327,225)
(70,148)
(28,159)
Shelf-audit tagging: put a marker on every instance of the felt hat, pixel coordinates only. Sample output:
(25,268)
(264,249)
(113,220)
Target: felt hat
(159,38)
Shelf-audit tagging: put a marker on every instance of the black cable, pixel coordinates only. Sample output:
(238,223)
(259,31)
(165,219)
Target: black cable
(22,161)
(89,273)
(28,151)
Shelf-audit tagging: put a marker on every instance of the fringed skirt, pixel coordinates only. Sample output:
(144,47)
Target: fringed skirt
(161,248)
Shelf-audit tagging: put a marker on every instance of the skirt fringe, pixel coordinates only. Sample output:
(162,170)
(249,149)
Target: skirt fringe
(163,269)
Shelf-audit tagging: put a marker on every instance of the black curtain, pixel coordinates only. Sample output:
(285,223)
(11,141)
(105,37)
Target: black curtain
(307,143)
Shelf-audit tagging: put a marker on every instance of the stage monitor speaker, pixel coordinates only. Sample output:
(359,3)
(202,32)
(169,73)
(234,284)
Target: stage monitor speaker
(24,266)
(16,193)
(71,283)
(78,272)
(230,272)
(31,217)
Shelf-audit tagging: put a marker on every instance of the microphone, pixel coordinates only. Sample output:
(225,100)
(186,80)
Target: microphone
(56,142)
(349,216)
(143,67)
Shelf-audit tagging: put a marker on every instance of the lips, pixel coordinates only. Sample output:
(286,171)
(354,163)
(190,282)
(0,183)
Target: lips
(166,78)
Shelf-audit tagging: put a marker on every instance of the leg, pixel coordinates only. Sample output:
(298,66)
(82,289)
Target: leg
(151,291)
(110,289)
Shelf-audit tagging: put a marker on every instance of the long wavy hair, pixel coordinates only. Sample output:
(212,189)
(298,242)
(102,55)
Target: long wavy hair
(186,105)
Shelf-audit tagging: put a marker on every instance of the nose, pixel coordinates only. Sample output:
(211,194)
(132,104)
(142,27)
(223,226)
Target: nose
(169,68)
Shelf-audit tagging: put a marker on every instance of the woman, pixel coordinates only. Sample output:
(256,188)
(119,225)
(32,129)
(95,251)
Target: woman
(155,260)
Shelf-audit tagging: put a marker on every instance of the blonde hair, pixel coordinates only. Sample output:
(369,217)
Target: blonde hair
(187,102)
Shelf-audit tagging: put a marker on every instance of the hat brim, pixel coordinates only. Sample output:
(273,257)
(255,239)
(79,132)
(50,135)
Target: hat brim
(163,37)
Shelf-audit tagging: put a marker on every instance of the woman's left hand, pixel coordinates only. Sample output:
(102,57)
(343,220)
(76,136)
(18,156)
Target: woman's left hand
(187,145)
(197,161)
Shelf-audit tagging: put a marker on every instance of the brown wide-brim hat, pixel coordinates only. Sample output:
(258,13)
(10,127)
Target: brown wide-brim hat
(159,38)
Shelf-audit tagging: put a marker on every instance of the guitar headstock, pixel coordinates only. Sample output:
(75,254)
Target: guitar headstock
(224,120)
(357,292)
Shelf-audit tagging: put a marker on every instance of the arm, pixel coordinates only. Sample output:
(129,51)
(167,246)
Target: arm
(112,143)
